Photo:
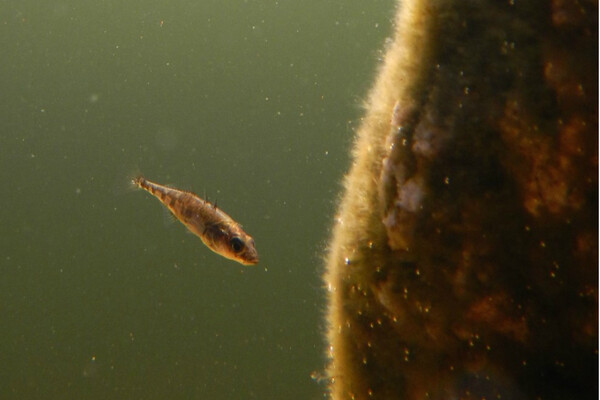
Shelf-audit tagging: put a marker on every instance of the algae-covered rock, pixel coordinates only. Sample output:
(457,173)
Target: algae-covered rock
(463,262)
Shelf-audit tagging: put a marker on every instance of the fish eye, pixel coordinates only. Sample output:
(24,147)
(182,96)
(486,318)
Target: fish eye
(236,244)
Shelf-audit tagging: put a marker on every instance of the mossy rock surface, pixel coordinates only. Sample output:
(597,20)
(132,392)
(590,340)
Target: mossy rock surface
(464,257)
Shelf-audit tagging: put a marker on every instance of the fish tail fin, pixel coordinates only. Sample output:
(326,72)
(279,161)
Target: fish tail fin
(138,181)
(126,183)
(135,179)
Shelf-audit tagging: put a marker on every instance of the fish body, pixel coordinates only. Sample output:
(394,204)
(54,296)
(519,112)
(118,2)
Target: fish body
(215,228)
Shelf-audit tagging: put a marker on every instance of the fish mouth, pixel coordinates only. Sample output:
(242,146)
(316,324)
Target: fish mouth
(250,261)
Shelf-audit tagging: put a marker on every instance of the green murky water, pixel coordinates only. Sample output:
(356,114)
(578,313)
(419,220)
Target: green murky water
(251,102)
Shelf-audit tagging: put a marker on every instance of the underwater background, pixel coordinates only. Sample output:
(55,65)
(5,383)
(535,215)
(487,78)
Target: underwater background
(253,103)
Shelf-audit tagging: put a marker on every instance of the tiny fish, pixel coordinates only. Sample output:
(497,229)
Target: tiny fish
(216,229)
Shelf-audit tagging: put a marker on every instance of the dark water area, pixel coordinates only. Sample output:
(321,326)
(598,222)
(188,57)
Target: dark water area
(253,103)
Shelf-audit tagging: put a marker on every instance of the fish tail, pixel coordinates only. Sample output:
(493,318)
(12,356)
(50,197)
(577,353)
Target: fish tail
(125,183)
(139,181)
(160,191)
